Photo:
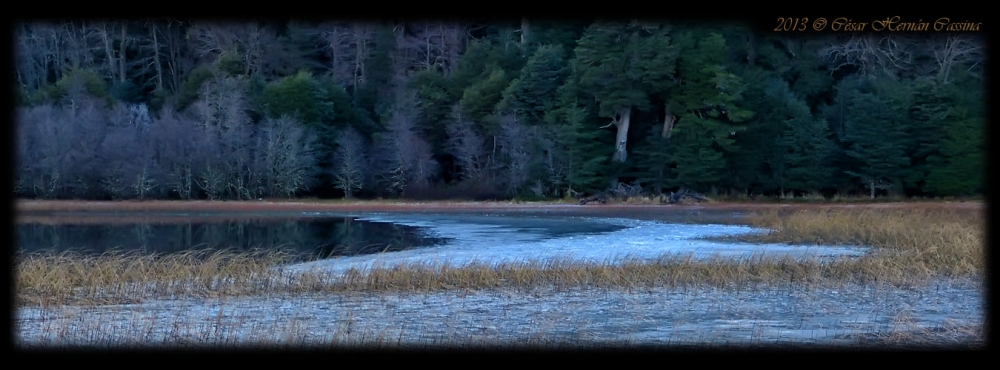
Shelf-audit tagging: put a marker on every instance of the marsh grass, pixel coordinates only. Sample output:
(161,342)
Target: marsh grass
(907,246)
(906,242)
(130,276)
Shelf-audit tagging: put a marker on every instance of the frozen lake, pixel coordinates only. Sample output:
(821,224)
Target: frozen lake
(762,315)
(499,238)
(948,312)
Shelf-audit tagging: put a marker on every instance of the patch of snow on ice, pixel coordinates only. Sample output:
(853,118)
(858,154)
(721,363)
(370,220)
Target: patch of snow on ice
(486,239)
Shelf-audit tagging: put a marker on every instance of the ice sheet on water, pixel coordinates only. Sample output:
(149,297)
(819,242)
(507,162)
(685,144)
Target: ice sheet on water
(659,315)
(495,239)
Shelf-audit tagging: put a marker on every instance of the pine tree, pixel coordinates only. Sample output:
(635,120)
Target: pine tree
(708,105)
(620,65)
(957,167)
(534,93)
(587,161)
(654,155)
(874,131)
(808,148)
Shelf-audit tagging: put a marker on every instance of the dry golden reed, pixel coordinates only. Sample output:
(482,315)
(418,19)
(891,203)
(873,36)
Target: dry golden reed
(117,277)
(908,246)
(914,242)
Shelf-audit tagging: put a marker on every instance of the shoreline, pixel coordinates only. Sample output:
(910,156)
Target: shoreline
(73,212)
(47,206)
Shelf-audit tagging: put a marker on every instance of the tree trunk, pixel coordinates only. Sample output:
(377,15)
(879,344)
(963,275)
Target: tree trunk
(622,120)
(427,51)
(173,60)
(525,30)
(871,187)
(668,125)
(108,50)
(121,56)
(156,59)
(659,181)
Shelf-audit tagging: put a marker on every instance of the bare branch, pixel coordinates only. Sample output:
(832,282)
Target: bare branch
(955,50)
(871,53)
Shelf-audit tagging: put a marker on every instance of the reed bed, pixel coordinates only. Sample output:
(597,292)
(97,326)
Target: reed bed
(908,246)
(906,242)
(115,278)
(123,277)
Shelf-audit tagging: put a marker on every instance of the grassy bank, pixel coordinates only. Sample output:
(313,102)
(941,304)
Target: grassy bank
(910,245)
(907,242)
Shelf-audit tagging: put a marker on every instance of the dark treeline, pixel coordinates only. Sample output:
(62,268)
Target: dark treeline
(167,109)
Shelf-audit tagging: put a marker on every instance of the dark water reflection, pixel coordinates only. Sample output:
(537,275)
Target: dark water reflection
(314,238)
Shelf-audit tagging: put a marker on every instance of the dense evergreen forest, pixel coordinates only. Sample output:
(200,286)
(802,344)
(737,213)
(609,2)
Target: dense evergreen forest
(525,108)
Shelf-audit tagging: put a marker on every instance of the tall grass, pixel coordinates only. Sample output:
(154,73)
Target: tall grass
(906,242)
(908,246)
(124,277)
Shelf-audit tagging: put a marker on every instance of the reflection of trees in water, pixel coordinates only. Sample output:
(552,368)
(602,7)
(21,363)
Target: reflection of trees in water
(142,232)
(351,237)
(315,238)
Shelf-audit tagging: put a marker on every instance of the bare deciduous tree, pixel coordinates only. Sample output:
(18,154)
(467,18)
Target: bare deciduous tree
(454,36)
(465,145)
(177,145)
(110,33)
(152,59)
(871,53)
(350,162)
(553,157)
(117,152)
(402,157)
(513,142)
(426,44)
(245,40)
(43,48)
(222,110)
(45,143)
(288,156)
(954,50)
(349,46)
(339,48)
(176,64)
(62,143)
(32,56)
(89,123)
(210,177)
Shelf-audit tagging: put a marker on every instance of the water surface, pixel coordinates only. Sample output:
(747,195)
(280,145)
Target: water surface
(316,237)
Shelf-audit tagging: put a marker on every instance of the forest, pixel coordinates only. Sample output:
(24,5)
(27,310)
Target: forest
(504,109)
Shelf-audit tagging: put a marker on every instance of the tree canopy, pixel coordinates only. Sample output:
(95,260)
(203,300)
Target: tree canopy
(175,109)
